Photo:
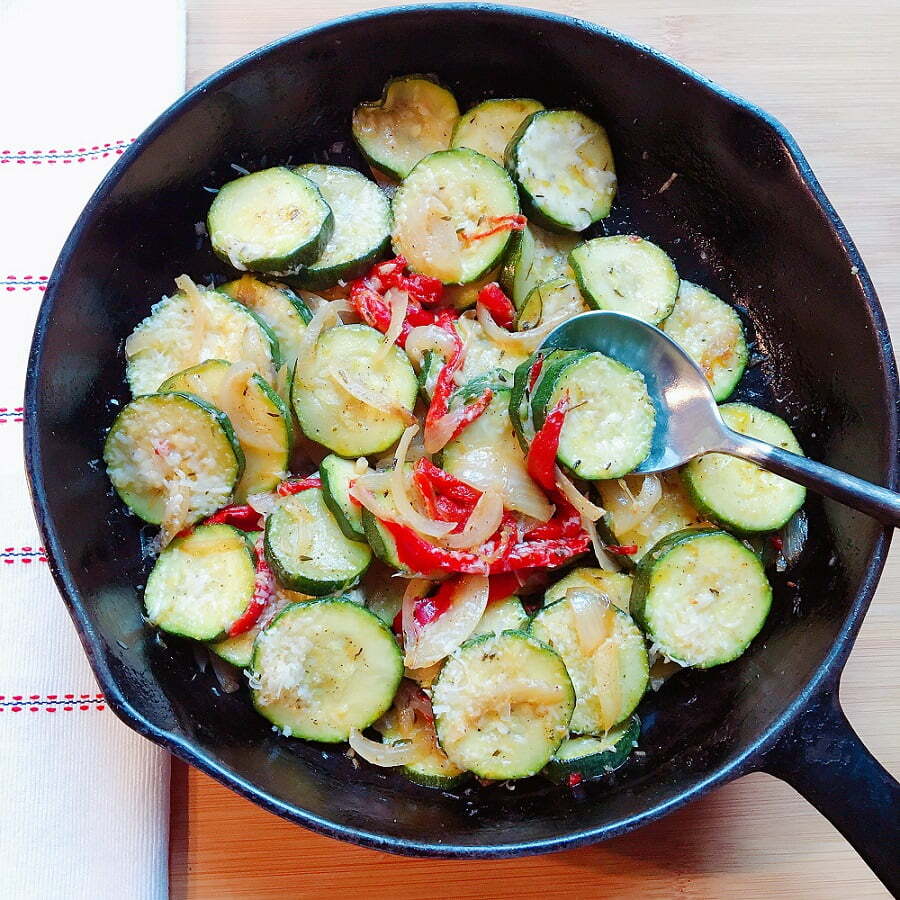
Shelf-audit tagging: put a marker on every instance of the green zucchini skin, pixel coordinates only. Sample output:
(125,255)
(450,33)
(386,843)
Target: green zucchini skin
(337,563)
(336,474)
(588,758)
(654,604)
(737,494)
(234,234)
(489,126)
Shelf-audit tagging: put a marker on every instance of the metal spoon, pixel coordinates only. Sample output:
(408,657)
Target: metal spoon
(687,417)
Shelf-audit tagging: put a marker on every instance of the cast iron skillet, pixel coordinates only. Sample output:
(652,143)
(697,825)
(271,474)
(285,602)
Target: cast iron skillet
(745,217)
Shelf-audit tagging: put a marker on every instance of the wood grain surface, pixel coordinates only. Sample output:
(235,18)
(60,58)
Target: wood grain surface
(829,71)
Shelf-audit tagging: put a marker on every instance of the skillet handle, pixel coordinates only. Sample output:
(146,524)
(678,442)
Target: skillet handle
(823,759)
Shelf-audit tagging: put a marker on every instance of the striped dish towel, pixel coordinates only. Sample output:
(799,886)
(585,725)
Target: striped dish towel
(84,802)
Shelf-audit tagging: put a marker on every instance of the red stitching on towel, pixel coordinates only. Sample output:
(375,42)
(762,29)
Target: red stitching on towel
(52,156)
(27,555)
(24,282)
(50,703)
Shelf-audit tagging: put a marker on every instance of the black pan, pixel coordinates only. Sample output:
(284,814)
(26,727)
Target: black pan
(745,217)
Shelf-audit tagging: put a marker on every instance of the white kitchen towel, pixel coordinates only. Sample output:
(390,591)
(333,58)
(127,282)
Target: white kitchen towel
(84,801)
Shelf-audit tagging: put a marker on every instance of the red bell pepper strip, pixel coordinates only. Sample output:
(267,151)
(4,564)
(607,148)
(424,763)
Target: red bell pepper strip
(542,452)
(622,550)
(428,609)
(446,497)
(447,484)
(444,384)
(492,298)
(498,224)
(297,485)
(502,586)
(245,518)
(535,373)
(263,591)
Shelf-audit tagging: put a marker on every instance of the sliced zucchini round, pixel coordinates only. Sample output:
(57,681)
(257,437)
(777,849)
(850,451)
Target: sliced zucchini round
(337,474)
(490,126)
(323,668)
(259,417)
(379,538)
(329,414)
(201,583)
(271,221)
(173,459)
(738,494)
(710,331)
(594,757)
(465,296)
(307,550)
(628,274)
(563,164)
(190,327)
(279,307)
(430,768)
(443,206)
(487,455)
(502,705)
(383,593)
(607,663)
(701,596)
(535,256)
(609,426)
(555,300)
(673,512)
(414,117)
(614,585)
(362,226)
(520,413)
(502,615)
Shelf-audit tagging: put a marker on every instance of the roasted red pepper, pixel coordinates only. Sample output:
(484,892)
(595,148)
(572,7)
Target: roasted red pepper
(427,609)
(297,485)
(622,550)
(492,298)
(367,296)
(263,591)
(542,453)
(502,586)
(535,373)
(446,498)
(245,518)
(574,779)
(496,224)
(444,384)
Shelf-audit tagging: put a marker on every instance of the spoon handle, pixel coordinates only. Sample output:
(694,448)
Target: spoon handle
(879,502)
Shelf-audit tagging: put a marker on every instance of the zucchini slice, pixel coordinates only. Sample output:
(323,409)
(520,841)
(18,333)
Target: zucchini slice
(628,274)
(443,213)
(555,300)
(605,656)
(279,307)
(307,550)
(738,494)
(502,705)
(673,512)
(201,583)
(594,757)
(362,226)
(563,164)
(609,426)
(701,596)
(502,615)
(486,454)
(383,593)
(710,331)
(490,126)
(465,296)
(414,117)
(271,221)
(323,399)
(614,585)
(520,413)
(430,768)
(535,256)
(173,459)
(337,474)
(259,417)
(190,327)
(323,668)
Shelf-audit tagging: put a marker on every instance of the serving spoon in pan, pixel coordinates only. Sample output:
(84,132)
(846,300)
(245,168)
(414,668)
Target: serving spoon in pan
(688,422)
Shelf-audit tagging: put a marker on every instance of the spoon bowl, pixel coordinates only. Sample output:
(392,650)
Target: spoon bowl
(688,423)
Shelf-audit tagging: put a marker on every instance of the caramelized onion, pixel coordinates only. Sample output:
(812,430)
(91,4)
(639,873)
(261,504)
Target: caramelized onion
(519,341)
(380,754)
(399,302)
(585,508)
(438,639)
(630,513)
(326,315)
(407,513)
(483,521)
(415,590)
(604,560)
(591,610)
(428,337)
(354,388)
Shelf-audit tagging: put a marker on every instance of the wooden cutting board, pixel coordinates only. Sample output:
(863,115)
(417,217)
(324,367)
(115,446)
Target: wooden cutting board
(830,73)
